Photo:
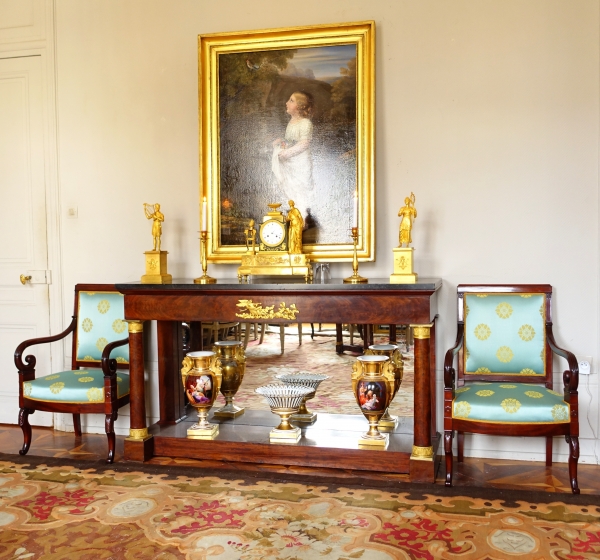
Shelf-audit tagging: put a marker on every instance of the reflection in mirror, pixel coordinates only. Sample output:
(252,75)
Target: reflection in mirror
(321,348)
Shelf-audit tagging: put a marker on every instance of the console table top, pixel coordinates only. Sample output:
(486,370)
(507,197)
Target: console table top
(269,284)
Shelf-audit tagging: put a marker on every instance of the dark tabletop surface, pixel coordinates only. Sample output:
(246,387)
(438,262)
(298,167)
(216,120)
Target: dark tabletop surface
(282,284)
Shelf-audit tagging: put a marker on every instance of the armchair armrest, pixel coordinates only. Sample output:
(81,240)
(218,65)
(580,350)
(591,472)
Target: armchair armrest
(449,359)
(30,359)
(571,375)
(110,365)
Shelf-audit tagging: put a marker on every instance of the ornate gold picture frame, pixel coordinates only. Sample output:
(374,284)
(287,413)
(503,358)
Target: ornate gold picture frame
(246,83)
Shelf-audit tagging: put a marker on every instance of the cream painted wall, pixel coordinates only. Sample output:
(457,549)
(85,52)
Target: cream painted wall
(487,110)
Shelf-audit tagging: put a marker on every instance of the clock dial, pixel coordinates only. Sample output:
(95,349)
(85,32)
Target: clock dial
(272,233)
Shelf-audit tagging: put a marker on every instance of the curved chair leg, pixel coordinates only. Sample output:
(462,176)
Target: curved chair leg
(109,428)
(26,427)
(448,453)
(573,458)
(77,424)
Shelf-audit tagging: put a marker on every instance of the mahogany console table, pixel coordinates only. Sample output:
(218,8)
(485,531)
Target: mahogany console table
(332,441)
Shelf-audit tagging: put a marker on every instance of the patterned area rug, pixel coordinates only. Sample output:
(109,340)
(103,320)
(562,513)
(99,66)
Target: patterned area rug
(264,361)
(52,509)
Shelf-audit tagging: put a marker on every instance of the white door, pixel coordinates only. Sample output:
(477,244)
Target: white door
(24,309)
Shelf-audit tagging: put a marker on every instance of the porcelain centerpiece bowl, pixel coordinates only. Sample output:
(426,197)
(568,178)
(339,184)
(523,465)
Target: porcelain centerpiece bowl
(305,379)
(284,401)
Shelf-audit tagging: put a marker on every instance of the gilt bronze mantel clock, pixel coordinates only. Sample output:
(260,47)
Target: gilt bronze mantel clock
(279,246)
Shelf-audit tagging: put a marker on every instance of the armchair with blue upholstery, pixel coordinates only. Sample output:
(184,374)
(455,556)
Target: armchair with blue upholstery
(503,383)
(93,384)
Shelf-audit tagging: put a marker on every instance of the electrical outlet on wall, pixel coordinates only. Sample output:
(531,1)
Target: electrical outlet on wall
(585,364)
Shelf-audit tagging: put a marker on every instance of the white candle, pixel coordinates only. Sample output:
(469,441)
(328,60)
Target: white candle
(204,215)
(355,216)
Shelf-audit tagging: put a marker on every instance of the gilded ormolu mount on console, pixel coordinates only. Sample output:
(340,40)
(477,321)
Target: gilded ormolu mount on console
(279,246)
(156,260)
(403,256)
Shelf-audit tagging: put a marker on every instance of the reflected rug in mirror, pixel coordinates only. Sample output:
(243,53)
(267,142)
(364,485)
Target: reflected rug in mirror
(334,395)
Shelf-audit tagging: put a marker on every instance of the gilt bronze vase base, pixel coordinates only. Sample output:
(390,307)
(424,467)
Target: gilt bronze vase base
(371,441)
(209,432)
(285,436)
(387,423)
(230,410)
(308,418)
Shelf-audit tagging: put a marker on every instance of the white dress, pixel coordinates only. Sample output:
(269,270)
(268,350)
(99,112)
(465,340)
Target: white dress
(295,175)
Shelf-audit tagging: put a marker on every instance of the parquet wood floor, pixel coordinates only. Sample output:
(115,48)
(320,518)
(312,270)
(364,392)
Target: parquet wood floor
(474,472)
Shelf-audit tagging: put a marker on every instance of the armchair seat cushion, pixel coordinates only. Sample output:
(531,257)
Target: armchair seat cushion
(510,403)
(73,386)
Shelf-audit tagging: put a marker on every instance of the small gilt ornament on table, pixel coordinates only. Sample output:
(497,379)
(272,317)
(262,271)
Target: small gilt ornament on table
(156,260)
(403,254)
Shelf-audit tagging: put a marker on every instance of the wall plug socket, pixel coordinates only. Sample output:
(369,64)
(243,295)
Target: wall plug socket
(585,365)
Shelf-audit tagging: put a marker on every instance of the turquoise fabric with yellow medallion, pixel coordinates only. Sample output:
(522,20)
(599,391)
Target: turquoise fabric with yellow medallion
(510,403)
(504,334)
(99,322)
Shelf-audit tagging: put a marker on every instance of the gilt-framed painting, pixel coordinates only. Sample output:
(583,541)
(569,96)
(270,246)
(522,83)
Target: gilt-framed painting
(288,114)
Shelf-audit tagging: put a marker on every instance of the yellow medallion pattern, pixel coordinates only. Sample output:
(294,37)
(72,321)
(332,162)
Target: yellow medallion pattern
(526,296)
(101,343)
(485,393)
(467,311)
(87,324)
(87,358)
(121,360)
(51,377)
(508,386)
(482,331)
(85,379)
(527,371)
(542,310)
(462,410)
(119,326)
(81,372)
(504,354)
(104,306)
(27,389)
(554,393)
(95,394)
(483,370)
(462,389)
(504,310)
(481,295)
(119,378)
(526,333)
(534,394)
(560,413)
(57,387)
(510,405)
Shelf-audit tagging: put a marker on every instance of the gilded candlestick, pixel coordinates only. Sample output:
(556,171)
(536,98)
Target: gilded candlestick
(355,278)
(205,278)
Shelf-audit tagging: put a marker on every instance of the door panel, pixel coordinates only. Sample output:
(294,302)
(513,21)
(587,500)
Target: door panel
(24,309)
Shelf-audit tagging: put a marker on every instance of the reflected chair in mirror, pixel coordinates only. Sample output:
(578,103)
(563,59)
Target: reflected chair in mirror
(263,327)
(221,331)
(503,384)
(93,384)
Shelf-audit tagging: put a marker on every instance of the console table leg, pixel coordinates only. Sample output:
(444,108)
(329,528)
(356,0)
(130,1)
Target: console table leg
(422,463)
(139,444)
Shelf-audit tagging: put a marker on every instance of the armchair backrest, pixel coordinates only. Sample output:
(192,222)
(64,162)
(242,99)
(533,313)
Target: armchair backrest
(505,333)
(100,313)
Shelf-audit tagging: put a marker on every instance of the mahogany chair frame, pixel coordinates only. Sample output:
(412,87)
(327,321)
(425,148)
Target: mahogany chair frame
(26,367)
(454,379)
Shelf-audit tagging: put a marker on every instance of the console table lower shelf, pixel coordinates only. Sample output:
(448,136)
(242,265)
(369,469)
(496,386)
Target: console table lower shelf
(331,442)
